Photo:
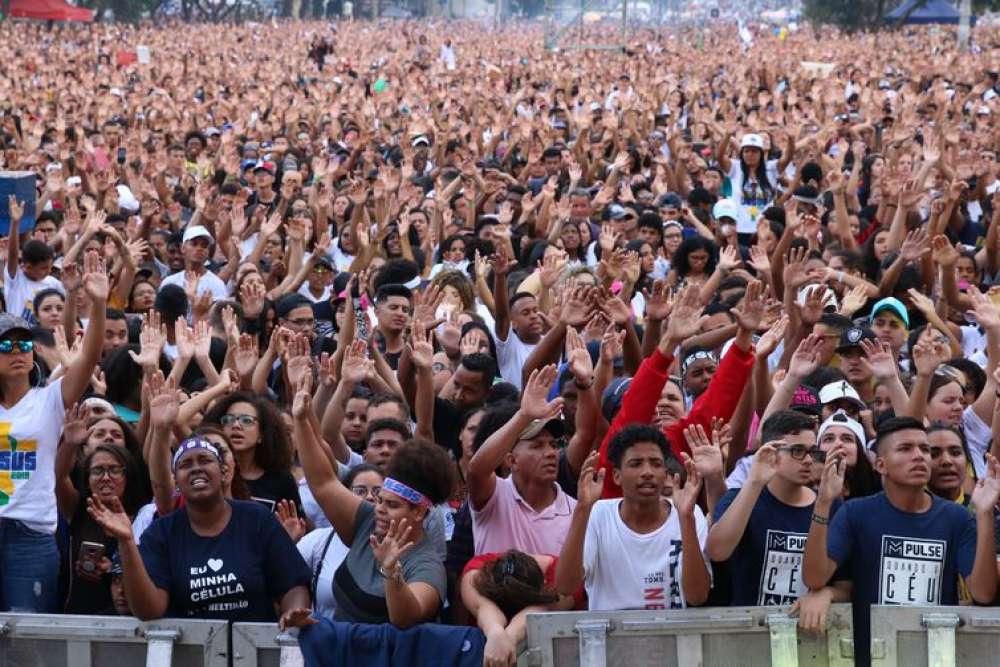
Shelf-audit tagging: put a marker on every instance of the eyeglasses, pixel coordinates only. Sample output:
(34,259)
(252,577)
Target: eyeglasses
(114,472)
(243,420)
(362,491)
(798,452)
(16,346)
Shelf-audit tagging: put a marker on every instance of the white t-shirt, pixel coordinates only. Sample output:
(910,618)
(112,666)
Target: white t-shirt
(311,547)
(626,570)
(512,353)
(340,258)
(209,282)
(29,437)
(751,205)
(145,516)
(19,293)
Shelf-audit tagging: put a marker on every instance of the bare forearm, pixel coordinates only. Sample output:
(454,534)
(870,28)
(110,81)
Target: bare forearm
(569,569)
(695,580)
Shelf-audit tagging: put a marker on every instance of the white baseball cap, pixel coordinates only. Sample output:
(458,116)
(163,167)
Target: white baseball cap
(752,141)
(725,208)
(840,418)
(841,389)
(196,231)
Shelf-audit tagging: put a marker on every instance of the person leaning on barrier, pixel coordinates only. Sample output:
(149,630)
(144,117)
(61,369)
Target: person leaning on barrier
(500,590)
(641,550)
(903,545)
(213,558)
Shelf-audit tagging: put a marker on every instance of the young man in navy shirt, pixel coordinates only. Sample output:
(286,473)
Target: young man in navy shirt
(903,545)
(761,528)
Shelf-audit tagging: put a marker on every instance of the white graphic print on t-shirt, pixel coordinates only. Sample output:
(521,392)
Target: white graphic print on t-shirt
(781,574)
(910,571)
(662,590)
(210,582)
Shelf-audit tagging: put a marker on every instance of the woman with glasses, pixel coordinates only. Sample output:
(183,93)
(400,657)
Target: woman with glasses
(324,551)
(32,419)
(110,473)
(260,442)
(392,572)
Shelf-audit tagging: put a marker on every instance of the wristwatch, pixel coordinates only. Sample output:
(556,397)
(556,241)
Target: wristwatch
(395,574)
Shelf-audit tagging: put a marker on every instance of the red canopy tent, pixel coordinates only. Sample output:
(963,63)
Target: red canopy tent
(49,10)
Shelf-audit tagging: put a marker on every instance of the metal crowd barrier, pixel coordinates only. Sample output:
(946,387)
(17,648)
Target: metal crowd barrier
(51,640)
(263,645)
(935,636)
(764,636)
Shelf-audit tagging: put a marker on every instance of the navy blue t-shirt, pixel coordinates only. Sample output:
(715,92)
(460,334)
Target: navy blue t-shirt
(766,566)
(897,557)
(237,575)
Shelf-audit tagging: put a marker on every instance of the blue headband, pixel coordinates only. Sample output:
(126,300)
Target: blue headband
(406,493)
(195,442)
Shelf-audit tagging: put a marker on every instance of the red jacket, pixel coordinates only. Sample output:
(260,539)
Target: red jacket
(639,403)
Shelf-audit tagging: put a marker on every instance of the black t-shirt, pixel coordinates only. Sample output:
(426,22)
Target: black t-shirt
(447,421)
(84,596)
(236,576)
(271,487)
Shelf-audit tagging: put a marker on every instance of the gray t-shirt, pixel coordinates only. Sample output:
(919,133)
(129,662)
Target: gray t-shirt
(358,586)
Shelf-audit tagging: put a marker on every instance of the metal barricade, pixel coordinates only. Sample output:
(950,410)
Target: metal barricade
(752,636)
(935,636)
(50,640)
(263,645)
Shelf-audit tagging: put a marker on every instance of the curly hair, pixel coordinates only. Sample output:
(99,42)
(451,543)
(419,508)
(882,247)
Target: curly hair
(424,466)
(514,581)
(460,282)
(274,451)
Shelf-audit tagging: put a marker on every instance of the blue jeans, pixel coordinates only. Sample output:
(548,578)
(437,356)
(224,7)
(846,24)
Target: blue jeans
(29,569)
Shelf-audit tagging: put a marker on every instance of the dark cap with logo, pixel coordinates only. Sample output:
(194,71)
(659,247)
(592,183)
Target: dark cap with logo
(853,336)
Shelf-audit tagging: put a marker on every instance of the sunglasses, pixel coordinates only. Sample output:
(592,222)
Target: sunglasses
(243,420)
(15,346)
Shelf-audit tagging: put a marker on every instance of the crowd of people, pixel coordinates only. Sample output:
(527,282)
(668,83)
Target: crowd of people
(443,327)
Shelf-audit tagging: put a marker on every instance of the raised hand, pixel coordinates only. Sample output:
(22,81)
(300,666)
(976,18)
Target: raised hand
(878,359)
(576,306)
(685,496)
(987,491)
(659,302)
(806,358)
(705,454)
(95,279)
(831,484)
(928,355)
(252,299)
(944,253)
(685,320)
(246,356)
(984,309)
(768,342)
(163,403)
(16,211)
(111,518)
(390,548)
(75,426)
(534,398)
(152,338)
(421,348)
(591,483)
(298,361)
(202,339)
(750,312)
(854,301)
(914,246)
(765,463)
(288,516)
(578,358)
(357,366)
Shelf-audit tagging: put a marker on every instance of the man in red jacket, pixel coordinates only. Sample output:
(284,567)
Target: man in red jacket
(723,393)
